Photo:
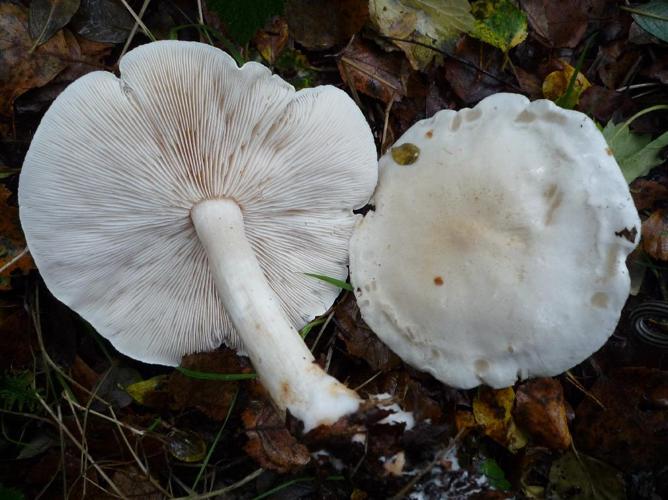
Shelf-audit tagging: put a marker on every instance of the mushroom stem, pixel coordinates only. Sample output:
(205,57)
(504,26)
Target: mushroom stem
(284,364)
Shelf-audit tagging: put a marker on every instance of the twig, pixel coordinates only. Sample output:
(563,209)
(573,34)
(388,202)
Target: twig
(138,21)
(14,260)
(133,31)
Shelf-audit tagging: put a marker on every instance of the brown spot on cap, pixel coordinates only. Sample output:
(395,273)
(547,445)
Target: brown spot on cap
(438,281)
(429,134)
(609,151)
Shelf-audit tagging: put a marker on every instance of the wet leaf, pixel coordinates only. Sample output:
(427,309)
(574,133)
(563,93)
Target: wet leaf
(540,410)
(631,431)
(653,18)
(211,397)
(106,21)
(655,235)
(555,85)
(269,441)
(499,23)
(412,24)
(373,72)
(492,411)
(343,18)
(142,391)
(243,18)
(186,446)
(560,24)
(12,241)
(580,477)
(20,69)
(271,40)
(49,16)
(497,478)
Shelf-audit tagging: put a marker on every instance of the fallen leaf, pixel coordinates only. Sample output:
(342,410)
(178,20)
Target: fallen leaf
(269,441)
(143,392)
(559,24)
(652,17)
(360,341)
(49,16)
(186,446)
(631,431)
(106,21)
(556,84)
(211,397)
(467,80)
(602,104)
(134,484)
(577,476)
(271,40)
(20,69)
(343,18)
(111,386)
(647,193)
(615,61)
(655,235)
(416,25)
(499,23)
(12,241)
(540,410)
(375,73)
(492,411)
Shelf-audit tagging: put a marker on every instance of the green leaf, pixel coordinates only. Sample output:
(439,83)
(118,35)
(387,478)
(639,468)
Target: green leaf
(495,474)
(652,17)
(636,154)
(310,325)
(580,477)
(222,377)
(446,18)
(243,17)
(332,281)
(499,23)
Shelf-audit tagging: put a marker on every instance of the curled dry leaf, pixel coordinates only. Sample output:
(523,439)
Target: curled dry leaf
(321,24)
(211,397)
(492,410)
(540,410)
(12,242)
(367,69)
(631,431)
(21,69)
(269,441)
(655,235)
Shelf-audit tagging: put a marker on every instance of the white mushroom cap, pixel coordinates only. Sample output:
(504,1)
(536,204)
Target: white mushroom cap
(117,165)
(500,252)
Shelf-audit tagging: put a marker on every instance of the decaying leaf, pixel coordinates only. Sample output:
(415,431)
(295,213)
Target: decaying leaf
(20,69)
(631,431)
(492,411)
(655,235)
(271,40)
(556,84)
(49,16)
(269,442)
(577,476)
(559,24)
(106,21)
(653,18)
(321,24)
(647,193)
(499,23)
(540,410)
(12,242)
(375,73)
(211,397)
(412,24)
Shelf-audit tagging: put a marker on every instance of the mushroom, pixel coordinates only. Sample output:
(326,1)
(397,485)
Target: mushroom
(180,206)
(497,247)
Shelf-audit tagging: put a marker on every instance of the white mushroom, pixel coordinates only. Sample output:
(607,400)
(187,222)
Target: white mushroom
(497,247)
(179,207)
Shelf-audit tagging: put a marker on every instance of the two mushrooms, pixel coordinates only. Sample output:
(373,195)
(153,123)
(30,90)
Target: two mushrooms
(182,206)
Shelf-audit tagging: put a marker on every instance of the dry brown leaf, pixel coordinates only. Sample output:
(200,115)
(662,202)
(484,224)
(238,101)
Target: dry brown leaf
(12,241)
(269,441)
(211,397)
(321,24)
(540,410)
(134,484)
(373,72)
(655,235)
(21,70)
(647,193)
(559,24)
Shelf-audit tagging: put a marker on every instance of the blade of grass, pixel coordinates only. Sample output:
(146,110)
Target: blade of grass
(221,377)
(332,281)
(309,326)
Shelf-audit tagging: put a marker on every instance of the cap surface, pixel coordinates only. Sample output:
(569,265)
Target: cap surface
(116,165)
(500,252)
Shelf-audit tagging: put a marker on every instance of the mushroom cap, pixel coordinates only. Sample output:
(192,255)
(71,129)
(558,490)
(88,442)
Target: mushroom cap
(117,164)
(500,252)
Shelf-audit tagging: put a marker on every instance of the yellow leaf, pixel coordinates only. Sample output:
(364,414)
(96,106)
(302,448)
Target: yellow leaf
(139,390)
(556,83)
(492,410)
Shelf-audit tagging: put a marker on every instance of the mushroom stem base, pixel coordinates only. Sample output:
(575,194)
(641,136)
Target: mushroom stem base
(284,364)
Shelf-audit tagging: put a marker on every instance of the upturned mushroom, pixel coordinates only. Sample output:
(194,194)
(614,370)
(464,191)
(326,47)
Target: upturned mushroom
(179,207)
(497,247)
